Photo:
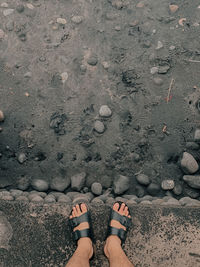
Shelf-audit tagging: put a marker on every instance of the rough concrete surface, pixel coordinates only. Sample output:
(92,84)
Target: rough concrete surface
(39,235)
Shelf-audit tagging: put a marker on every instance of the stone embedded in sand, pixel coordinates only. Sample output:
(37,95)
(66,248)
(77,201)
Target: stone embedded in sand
(105,64)
(177,190)
(167,184)
(153,189)
(77,19)
(61,21)
(154,70)
(78,181)
(99,127)
(1,116)
(121,184)
(92,60)
(197,135)
(96,189)
(59,183)
(143,179)
(40,185)
(8,12)
(105,111)
(189,164)
(173,8)
(22,158)
(192,180)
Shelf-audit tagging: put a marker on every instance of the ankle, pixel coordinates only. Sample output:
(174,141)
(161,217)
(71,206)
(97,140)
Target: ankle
(85,246)
(113,245)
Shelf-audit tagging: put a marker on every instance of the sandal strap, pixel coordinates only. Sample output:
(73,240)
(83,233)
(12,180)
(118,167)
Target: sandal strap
(124,220)
(121,233)
(82,233)
(77,220)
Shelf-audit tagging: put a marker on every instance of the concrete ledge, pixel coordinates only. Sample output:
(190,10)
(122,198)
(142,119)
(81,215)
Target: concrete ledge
(39,235)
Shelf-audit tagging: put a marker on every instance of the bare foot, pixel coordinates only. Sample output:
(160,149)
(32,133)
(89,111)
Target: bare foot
(113,241)
(84,242)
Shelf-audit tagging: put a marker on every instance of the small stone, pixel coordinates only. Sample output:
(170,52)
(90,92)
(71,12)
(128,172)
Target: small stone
(61,21)
(64,199)
(83,68)
(139,191)
(177,190)
(158,81)
(20,8)
(40,185)
(1,116)
(37,198)
(80,199)
(105,111)
(192,180)
(56,195)
(143,179)
(59,183)
(172,47)
(133,197)
(110,201)
(8,12)
(77,19)
(22,158)
(27,75)
(185,200)
(159,45)
(163,69)
(106,181)
(146,202)
(85,189)
(49,199)
(190,192)
(23,183)
(197,135)
(167,184)
(173,8)
(136,157)
(42,194)
(192,145)
(10,26)
(22,198)
(131,202)
(7,197)
(153,189)
(97,200)
(92,60)
(105,64)
(15,192)
(4,5)
(121,184)
(117,28)
(154,70)
(121,199)
(140,5)
(171,202)
(30,6)
(157,201)
(99,127)
(78,181)
(188,163)
(96,189)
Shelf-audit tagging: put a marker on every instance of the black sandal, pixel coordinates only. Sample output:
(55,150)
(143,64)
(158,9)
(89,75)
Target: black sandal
(124,220)
(76,221)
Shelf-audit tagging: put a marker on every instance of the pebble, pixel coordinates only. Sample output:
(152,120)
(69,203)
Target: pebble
(15,192)
(30,6)
(173,8)
(158,81)
(110,201)
(64,76)
(50,199)
(146,202)
(55,194)
(1,116)
(105,111)
(177,190)
(80,199)
(172,47)
(4,5)
(40,185)
(154,70)
(42,194)
(61,21)
(22,198)
(27,74)
(99,126)
(143,179)
(96,189)
(157,201)
(190,192)
(192,145)
(136,157)
(159,45)
(37,198)
(189,164)
(139,191)
(59,184)
(92,60)
(117,28)
(192,180)
(153,189)
(187,200)
(121,184)
(2,34)
(64,199)
(130,196)
(78,181)
(8,12)
(163,69)
(131,202)
(21,158)
(23,183)
(106,181)
(20,8)
(105,64)
(77,19)
(7,197)
(97,200)
(167,184)
(197,135)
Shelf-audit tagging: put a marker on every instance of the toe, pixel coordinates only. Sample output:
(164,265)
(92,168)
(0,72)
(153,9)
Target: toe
(78,210)
(126,211)
(73,213)
(116,207)
(83,208)
(121,210)
(70,216)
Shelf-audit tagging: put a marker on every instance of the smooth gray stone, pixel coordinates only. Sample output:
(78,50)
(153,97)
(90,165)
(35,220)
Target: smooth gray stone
(40,185)
(188,163)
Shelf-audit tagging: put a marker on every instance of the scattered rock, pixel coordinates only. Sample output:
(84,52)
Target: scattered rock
(167,184)
(6,197)
(139,191)
(64,199)
(78,181)
(57,122)
(1,116)
(40,185)
(61,21)
(177,190)
(121,199)
(105,111)
(159,45)
(121,184)
(37,198)
(131,202)
(154,70)
(189,164)
(140,5)
(23,183)
(8,12)
(77,19)
(20,8)
(192,180)
(22,158)
(136,157)
(158,81)
(163,69)
(173,8)
(197,135)
(105,64)
(143,179)
(99,126)
(153,189)
(59,184)
(64,76)
(96,189)
(50,199)
(92,60)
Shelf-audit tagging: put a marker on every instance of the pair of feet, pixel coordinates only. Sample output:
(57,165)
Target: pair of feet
(112,241)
